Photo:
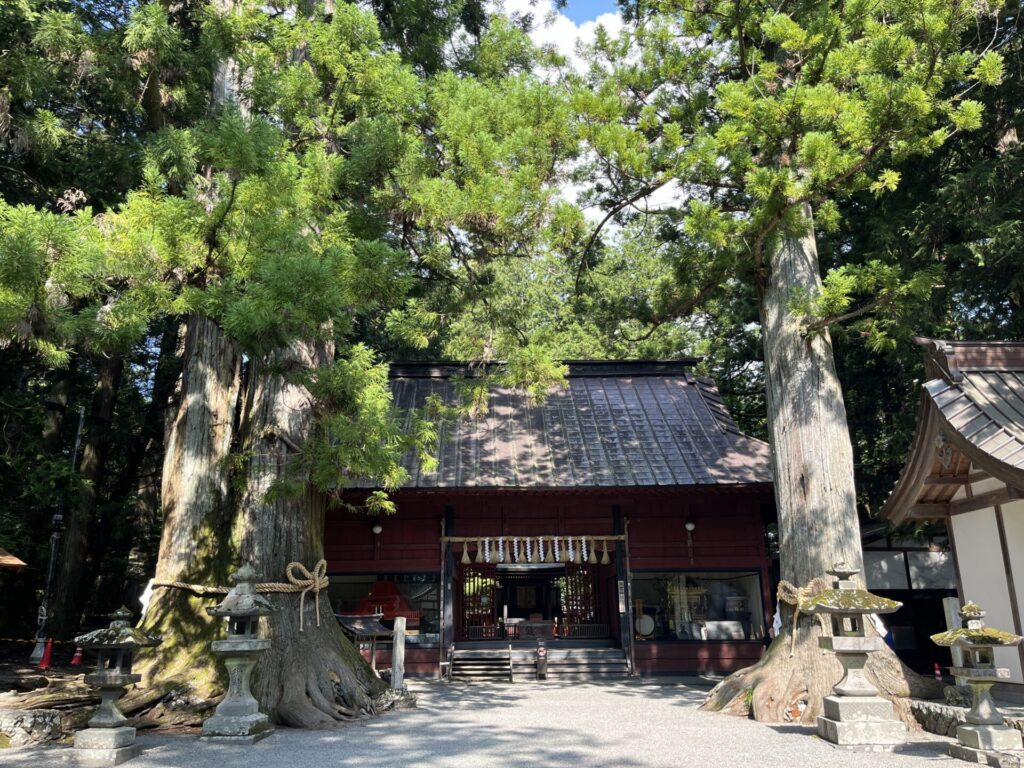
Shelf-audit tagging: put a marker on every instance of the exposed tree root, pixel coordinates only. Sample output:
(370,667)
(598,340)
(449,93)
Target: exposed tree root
(316,677)
(782,688)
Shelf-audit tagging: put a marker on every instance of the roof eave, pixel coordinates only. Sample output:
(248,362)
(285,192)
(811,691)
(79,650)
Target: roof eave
(918,466)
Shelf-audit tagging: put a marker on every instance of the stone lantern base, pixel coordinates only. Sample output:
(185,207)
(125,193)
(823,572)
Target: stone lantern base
(861,723)
(979,743)
(237,729)
(106,746)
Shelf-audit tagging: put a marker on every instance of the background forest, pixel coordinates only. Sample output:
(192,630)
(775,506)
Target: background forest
(452,192)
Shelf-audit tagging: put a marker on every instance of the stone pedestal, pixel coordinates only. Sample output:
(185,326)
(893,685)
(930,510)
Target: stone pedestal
(996,745)
(106,746)
(107,740)
(857,717)
(111,684)
(860,722)
(237,718)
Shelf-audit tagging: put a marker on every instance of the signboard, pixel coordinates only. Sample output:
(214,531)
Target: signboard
(622,596)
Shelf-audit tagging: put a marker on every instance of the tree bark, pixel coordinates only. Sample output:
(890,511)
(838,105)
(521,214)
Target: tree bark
(69,591)
(812,462)
(56,409)
(194,547)
(311,675)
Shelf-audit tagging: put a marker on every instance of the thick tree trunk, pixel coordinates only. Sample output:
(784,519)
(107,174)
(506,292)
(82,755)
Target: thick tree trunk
(69,592)
(812,460)
(311,675)
(56,409)
(194,547)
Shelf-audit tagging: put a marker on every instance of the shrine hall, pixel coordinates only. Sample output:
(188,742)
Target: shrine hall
(620,521)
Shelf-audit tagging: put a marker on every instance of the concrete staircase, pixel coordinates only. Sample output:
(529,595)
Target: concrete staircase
(504,663)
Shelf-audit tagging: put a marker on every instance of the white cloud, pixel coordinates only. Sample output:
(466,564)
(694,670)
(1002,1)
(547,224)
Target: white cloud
(553,28)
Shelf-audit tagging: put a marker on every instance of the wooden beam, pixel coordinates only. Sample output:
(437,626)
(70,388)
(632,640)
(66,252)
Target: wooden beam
(928,511)
(974,477)
(947,480)
(983,501)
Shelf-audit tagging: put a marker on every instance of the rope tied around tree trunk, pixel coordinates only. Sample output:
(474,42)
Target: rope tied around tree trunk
(314,582)
(798,597)
(302,583)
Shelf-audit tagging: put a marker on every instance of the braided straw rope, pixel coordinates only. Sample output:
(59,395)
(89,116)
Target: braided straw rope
(304,583)
(798,597)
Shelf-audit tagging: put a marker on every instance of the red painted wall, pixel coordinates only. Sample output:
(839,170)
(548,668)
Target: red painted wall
(688,658)
(410,540)
(729,534)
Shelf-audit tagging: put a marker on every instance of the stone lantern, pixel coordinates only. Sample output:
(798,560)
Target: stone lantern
(237,718)
(856,716)
(986,730)
(108,740)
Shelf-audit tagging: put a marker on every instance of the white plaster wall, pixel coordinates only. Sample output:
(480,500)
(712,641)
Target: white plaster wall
(986,485)
(980,558)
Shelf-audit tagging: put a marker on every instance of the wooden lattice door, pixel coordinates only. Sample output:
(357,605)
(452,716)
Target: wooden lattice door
(479,598)
(579,604)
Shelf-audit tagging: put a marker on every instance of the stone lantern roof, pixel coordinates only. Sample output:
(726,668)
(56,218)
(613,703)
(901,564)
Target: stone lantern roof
(120,634)
(243,599)
(849,601)
(975,634)
(846,597)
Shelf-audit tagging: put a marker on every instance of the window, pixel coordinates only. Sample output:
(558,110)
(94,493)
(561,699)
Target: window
(697,606)
(414,595)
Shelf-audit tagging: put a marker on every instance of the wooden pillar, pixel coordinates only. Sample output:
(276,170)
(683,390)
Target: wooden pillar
(622,576)
(447,586)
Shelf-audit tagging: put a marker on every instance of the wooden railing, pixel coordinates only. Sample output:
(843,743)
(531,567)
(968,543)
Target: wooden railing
(515,632)
(585,631)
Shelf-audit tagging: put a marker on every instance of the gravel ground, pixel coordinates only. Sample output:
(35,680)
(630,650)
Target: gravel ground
(620,724)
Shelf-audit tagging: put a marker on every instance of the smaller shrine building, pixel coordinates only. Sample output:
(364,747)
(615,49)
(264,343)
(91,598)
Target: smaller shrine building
(625,510)
(965,468)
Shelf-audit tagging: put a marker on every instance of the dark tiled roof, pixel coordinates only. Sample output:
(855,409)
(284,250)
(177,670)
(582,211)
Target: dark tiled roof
(615,424)
(986,409)
(971,416)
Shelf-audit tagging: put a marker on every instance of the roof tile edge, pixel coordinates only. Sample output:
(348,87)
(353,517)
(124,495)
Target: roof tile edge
(445,369)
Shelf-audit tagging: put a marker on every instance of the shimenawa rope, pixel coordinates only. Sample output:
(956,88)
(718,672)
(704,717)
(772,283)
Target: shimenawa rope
(798,597)
(303,583)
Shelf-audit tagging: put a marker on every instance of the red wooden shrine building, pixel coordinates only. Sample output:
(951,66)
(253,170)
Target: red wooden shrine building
(625,510)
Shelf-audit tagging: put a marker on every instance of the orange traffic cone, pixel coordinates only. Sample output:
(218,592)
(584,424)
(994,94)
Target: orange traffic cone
(45,662)
(76,660)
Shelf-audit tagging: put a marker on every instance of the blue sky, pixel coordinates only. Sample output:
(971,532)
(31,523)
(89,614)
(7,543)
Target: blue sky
(588,10)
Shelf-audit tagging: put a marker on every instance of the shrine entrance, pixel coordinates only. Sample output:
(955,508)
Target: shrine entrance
(529,601)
